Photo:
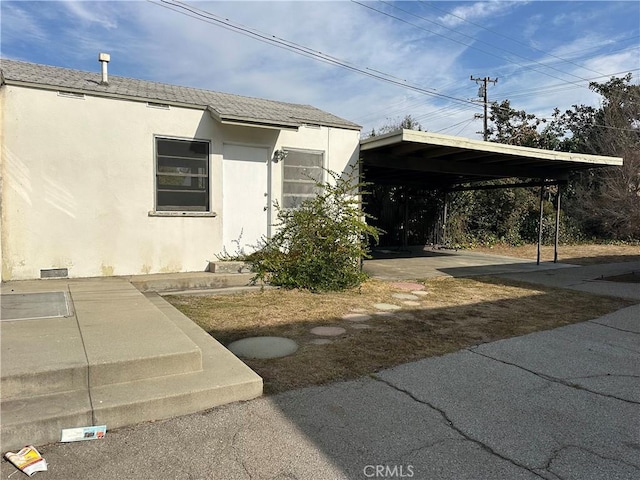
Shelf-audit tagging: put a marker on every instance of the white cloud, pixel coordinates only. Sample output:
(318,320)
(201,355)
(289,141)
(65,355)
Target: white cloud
(477,11)
(19,25)
(91,13)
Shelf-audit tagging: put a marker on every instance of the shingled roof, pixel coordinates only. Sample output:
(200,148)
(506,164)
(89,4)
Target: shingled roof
(223,106)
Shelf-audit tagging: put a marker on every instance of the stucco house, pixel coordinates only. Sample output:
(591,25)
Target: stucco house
(104,175)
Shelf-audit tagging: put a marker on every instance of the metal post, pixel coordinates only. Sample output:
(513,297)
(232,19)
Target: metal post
(555,246)
(444,220)
(405,237)
(540,220)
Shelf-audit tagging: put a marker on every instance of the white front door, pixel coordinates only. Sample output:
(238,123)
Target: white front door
(245,197)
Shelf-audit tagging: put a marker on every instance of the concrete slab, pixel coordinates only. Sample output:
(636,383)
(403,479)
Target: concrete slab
(328,331)
(427,263)
(626,319)
(121,359)
(404,296)
(27,306)
(356,317)
(586,279)
(125,337)
(263,347)
(386,306)
(41,357)
(40,419)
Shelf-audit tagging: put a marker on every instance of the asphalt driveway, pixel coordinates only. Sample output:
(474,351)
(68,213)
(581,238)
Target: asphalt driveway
(560,404)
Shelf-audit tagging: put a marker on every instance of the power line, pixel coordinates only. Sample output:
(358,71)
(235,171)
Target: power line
(211,18)
(467,45)
(509,38)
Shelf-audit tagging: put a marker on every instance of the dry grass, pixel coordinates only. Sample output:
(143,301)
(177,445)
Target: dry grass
(456,313)
(584,254)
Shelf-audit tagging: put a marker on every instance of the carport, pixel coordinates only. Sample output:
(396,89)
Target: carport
(448,164)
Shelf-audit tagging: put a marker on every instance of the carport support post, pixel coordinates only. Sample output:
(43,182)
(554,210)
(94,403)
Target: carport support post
(444,220)
(405,235)
(540,222)
(557,235)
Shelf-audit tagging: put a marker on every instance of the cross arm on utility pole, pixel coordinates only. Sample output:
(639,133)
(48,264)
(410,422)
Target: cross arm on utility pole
(482,92)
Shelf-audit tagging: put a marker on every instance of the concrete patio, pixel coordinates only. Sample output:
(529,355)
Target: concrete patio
(111,355)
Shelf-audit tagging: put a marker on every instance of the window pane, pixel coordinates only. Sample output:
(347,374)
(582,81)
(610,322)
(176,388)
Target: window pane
(302,173)
(183,148)
(303,159)
(293,201)
(182,179)
(168,200)
(181,162)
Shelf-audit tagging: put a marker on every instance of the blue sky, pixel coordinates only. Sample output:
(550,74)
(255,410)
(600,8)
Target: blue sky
(543,53)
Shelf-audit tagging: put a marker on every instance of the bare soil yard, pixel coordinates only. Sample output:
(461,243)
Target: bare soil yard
(584,254)
(455,313)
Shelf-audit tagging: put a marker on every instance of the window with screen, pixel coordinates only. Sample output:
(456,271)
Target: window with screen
(302,170)
(182,175)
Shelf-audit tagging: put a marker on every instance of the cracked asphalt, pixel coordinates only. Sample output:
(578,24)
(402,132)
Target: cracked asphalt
(561,404)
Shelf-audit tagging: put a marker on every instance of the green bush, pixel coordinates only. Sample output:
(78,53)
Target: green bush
(318,246)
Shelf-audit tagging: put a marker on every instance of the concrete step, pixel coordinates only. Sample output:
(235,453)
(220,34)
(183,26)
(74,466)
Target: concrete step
(168,282)
(229,267)
(223,379)
(39,420)
(41,357)
(126,338)
(115,336)
(99,366)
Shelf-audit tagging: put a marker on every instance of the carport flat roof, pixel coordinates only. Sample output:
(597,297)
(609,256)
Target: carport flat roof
(435,160)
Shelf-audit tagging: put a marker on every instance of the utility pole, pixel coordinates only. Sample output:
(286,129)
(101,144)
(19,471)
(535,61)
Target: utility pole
(482,93)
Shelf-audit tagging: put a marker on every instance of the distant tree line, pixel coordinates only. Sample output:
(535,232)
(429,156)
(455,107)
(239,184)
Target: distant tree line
(598,204)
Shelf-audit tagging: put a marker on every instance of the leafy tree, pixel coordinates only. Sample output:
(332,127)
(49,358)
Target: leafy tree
(319,245)
(606,201)
(408,123)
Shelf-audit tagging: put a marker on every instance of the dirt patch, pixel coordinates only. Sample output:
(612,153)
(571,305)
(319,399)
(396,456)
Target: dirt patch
(587,254)
(456,313)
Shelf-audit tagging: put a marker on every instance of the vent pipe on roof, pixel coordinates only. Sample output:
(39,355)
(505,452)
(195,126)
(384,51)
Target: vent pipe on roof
(104,59)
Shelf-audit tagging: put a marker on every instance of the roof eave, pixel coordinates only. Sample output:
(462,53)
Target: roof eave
(482,146)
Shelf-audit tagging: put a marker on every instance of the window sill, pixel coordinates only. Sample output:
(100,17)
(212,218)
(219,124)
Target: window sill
(153,213)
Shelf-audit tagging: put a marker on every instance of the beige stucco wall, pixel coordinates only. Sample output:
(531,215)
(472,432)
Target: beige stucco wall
(78,183)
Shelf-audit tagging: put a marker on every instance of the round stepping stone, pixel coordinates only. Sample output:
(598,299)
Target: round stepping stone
(320,341)
(408,285)
(386,306)
(263,347)
(420,293)
(411,303)
(404,296)
(385,314)
(328,331)
(406,316)
(356,317)
(360,326)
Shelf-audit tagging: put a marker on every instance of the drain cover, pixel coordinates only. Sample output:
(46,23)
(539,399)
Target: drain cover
(29,306)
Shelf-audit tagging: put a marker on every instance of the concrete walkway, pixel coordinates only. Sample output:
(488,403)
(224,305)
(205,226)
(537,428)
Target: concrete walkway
(561,404)
(420,263)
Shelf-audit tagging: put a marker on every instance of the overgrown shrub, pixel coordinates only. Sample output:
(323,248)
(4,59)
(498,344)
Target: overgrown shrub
(318,246)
